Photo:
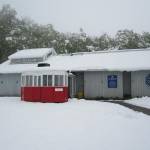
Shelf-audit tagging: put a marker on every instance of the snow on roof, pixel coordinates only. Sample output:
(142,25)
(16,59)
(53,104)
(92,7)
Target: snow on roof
(31,53)
(119,60)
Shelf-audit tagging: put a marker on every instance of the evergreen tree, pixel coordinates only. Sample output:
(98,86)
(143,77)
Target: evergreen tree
(17,34)
(146,39)
(127,39)
(8,25)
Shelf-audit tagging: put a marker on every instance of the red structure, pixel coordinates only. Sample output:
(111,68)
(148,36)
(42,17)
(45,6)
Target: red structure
(44,86)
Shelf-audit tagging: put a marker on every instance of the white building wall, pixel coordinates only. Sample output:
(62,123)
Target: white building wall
(138,85)
(93,85)
(10,84)
(113,92)
(96,85)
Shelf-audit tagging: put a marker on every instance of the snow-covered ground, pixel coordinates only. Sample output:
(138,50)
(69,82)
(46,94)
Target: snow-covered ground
(76,125)
(143,102)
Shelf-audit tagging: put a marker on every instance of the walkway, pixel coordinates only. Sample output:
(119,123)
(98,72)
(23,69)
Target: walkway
(133,107)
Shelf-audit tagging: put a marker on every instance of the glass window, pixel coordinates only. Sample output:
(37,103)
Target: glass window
(30,80)
(58,80)
(35,80)
(61,80)
(27,80)
(44,80)
(147,80)
(39,80)
(66,80)
(23,80)
(49,80)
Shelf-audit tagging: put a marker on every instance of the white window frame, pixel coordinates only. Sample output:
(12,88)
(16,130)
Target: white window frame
(37,74)
(63,82)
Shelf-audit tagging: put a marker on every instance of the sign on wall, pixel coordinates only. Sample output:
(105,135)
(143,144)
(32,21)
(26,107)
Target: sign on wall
(112,81)
(147,80)
(58,89)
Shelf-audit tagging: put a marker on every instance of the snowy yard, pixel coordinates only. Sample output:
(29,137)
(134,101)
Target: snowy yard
(76,125)
(143,102)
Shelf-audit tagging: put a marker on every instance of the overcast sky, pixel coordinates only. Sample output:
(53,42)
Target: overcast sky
(94,16)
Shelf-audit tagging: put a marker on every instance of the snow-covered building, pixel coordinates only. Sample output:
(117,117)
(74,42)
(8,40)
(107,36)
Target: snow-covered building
(104,74)
(11,70)
(31,56)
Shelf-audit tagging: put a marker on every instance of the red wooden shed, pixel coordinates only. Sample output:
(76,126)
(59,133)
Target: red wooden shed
(44,86)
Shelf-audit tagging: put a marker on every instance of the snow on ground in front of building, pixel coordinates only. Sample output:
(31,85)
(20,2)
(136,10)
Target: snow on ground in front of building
(76,125)
(143,102)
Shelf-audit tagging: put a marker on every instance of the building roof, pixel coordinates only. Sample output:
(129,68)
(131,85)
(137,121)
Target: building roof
(125,60)
(118,60)
(31,53)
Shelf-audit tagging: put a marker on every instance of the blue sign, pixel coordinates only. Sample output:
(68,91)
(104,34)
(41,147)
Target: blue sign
(112,81)
(147,80)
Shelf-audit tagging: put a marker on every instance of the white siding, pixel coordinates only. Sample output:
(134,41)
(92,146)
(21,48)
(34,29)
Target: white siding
(96,85)
(10,84)
(138,86)
(113,92)
(93,85)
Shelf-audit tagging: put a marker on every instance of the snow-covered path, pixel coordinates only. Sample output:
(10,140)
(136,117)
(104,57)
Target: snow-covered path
(143,102)
(76,125)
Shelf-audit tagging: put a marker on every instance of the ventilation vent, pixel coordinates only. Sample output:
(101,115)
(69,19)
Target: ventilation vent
(43,65)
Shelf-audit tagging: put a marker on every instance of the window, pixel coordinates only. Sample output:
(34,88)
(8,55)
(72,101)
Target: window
(30,80)
(44,80)
(58,80)
(66,80)
(61,80)
(23,80)
(35,80)
(49,80)
(39,80)
(27,80)
(147,80)
(26,60)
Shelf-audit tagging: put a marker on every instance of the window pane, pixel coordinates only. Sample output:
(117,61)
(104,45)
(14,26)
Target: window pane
(44,80)
(61,80)
(58,80)
(30,80)
(39,80)
(66,80)
(49,80)
(35,80)
(27,80)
